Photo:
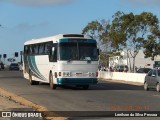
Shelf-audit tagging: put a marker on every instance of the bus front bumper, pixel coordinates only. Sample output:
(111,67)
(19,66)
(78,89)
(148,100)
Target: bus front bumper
(77,81)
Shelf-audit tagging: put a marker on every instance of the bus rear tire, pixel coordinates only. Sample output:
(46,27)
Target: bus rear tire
(32,82)
(52,85)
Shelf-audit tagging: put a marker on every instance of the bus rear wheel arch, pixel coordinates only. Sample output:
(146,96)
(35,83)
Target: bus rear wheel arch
(32,82)
(51,83)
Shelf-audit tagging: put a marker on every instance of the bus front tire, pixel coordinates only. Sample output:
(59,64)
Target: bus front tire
(52,85)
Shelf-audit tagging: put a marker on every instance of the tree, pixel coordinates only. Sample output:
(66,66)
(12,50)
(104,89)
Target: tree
(117,33)
(128,31)
(152,47)
(152,44)
(99,31)
(92,29)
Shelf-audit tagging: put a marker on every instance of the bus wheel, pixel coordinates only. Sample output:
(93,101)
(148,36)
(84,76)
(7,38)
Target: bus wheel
(30,78)
(32,82)
(85,87)
(158,87)
(52,85)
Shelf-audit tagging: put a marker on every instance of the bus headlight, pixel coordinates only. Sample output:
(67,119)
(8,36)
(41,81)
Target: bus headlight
(66,74)
(91,74)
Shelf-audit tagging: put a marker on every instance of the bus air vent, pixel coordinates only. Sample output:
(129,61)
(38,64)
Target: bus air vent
(73,35)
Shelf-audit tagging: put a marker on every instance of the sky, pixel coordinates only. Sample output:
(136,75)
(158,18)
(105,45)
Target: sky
(22,20)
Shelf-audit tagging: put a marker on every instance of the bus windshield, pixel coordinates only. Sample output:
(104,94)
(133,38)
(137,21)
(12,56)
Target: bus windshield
(78,51)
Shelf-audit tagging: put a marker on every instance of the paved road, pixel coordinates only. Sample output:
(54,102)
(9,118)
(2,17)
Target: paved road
(106,96)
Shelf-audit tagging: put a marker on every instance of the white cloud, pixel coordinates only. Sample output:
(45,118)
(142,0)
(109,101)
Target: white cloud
(38,2)
(143,2)
(25,27)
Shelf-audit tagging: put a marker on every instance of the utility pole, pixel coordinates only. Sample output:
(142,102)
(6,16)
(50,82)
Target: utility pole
(0,58)
(4,56)
(21,53)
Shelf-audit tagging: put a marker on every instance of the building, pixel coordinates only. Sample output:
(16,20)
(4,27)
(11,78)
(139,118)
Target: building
(140,60)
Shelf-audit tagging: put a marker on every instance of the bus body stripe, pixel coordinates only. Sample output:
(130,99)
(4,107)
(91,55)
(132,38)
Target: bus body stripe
(31,67)
(34,69)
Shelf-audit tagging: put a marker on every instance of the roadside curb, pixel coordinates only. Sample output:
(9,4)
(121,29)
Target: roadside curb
(25,102)
(122,81)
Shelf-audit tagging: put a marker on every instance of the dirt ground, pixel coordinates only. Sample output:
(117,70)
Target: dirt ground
(11,102)
(6,104)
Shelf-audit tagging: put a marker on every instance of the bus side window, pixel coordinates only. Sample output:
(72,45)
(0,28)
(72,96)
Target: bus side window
(47,48)
(36,49)
(33,49)
(41,49)
(25,50)
(30,50)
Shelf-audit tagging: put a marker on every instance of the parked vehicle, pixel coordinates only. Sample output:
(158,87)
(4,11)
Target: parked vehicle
(14,66)
(121,68)
(1,65)
(152,80)
(143,70)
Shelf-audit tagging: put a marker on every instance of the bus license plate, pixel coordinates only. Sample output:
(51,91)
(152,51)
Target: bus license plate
(79,74)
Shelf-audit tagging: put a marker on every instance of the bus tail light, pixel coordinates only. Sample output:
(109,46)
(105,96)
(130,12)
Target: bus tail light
(96,74)
(59,74)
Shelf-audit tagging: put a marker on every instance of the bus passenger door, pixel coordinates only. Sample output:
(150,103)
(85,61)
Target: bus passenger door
(53,54)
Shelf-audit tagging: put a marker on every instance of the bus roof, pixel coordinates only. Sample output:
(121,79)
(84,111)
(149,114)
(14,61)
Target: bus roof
(56,37)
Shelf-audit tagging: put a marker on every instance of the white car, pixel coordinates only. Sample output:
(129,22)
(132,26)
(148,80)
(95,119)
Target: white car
(152,80)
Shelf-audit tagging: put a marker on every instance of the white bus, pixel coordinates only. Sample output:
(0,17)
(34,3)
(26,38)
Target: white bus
(65,59)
